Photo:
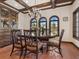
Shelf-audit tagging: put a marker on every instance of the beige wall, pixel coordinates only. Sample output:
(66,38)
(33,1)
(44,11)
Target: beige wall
(67,11)
(60,12)
(23,21)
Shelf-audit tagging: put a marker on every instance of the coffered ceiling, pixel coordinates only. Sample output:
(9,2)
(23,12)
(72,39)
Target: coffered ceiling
(35,2)
(22,5)
(14,4)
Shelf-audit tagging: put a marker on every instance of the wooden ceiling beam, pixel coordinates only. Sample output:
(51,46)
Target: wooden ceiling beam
(49,3)
(63,5)
(56,6)
(72,1)
(62,1)
(2,0)
(2,6)
(38,6)
(11,7)
(25,5)
(41,5)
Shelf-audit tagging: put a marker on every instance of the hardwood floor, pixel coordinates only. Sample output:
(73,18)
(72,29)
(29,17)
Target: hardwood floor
(68,50)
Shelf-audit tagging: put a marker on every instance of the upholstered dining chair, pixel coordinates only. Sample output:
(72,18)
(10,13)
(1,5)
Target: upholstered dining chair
(16,41)
(32,43)
(57,44)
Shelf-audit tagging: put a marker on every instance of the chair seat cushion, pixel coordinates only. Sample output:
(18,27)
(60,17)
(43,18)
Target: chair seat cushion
(34,46)
(31,44)
(18,44)
(53,44)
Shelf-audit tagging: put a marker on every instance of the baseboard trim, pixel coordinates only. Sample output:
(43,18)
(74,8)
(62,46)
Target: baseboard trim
(70,43)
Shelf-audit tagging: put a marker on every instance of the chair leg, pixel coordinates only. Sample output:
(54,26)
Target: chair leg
(41,49)
(60,52)
(47,48)
(21,53)
(37,56)
(25,53)
(12,51)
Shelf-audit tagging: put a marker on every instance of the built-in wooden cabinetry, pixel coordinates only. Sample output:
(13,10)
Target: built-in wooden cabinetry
(4,37)
(8,21)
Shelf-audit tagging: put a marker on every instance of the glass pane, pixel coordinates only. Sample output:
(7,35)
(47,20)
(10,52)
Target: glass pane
(42,19)
(33,24)
(43,23)
(54,28)
(33,20)
(77,25)
(54,18)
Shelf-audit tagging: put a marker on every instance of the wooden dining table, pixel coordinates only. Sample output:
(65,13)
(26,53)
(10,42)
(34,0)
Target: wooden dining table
(44,39)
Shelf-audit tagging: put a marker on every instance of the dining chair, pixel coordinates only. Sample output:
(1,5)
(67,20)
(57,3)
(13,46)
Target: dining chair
(57,45)
(16,41)
(33,45)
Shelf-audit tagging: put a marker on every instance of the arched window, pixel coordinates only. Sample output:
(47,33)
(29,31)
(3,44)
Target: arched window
(54,26)
(33,24)
(43,26)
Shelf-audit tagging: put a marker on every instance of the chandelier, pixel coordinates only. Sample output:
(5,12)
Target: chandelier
(34,12)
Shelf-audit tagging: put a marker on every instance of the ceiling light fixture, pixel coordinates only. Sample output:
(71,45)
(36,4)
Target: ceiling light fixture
(35,12)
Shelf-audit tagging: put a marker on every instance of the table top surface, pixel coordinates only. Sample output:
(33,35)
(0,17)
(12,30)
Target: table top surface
(45,36)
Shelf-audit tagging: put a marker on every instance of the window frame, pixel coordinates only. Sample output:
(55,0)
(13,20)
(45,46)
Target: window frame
(40,25)
(75,25)
(31,22)
(50,24)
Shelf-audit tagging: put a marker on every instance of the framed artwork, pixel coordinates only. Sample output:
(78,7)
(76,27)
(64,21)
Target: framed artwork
(65,19)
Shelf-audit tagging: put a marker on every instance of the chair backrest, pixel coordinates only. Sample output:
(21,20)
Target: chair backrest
(30,36)
(30,33)
(60,38)
(26,35)
(14,35)
(26,32)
